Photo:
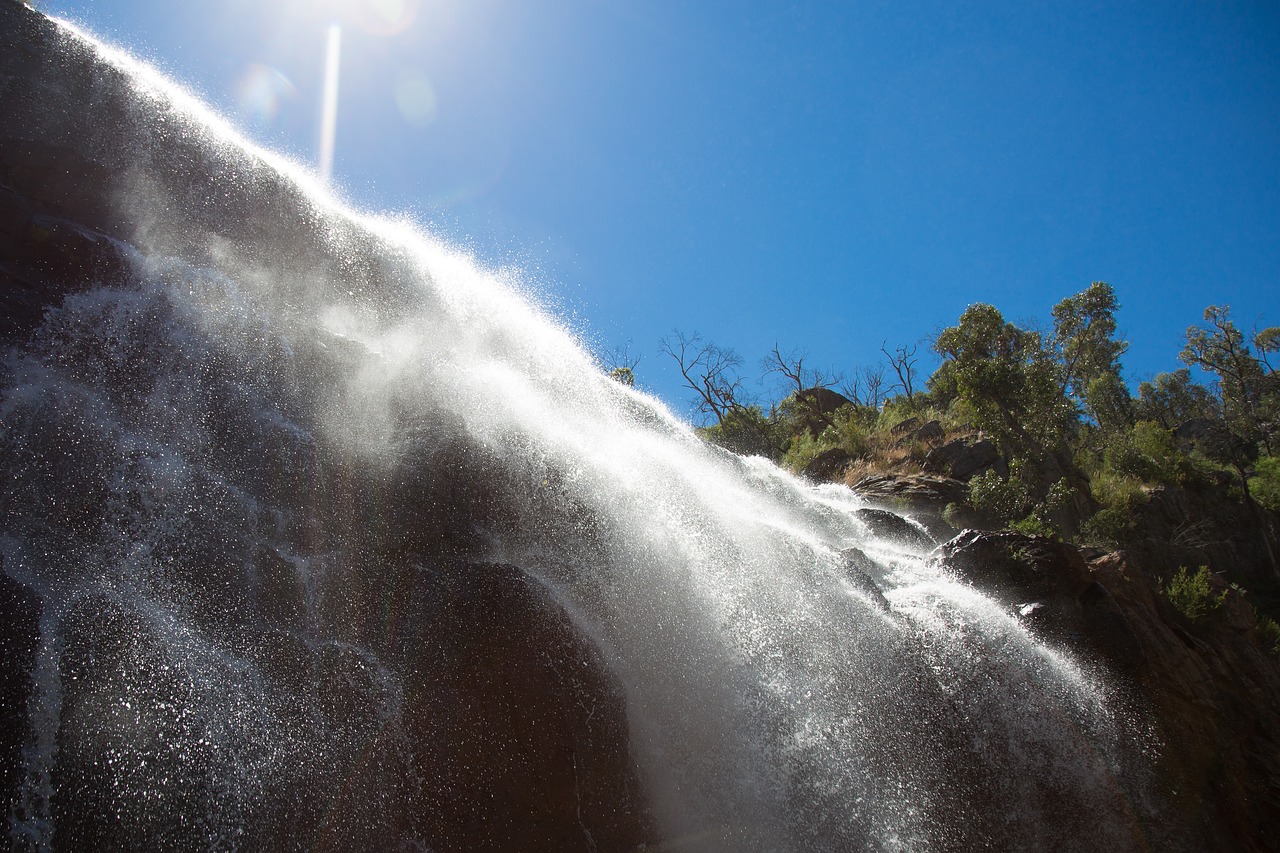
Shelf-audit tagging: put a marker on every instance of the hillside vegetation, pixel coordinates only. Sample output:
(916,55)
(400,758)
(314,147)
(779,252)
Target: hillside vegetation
(1035,429)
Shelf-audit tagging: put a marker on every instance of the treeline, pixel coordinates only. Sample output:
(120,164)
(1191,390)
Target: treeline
(1077,453)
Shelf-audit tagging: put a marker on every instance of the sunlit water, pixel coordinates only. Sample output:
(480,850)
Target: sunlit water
(161,435)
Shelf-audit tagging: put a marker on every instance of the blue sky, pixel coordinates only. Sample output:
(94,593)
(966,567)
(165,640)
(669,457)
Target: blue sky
(825,176)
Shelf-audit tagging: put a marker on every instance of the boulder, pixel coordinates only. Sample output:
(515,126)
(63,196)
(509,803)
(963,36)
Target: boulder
(860,569)
(895,528)
(965,458)
(917,492)
(816,405)
(828,465)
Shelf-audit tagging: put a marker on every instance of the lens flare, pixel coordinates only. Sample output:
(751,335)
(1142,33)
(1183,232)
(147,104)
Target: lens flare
(329,115)
(261,93)
(415,97)
(384,17)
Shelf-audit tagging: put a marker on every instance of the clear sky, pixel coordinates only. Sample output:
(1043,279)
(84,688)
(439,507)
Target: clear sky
(823,175)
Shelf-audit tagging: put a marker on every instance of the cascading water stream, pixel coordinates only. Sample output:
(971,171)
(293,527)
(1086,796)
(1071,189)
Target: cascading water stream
(227,468)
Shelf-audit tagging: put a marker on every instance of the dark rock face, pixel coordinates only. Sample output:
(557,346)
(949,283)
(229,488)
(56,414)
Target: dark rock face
(965,458)
(19,633)
(816,405)
(859,568)
(919,492)
(924,497)
(1211,690)
(342,688)
(895,528)
(523,729)
(827,465)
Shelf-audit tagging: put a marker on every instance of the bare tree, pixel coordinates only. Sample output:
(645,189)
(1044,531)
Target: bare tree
(873,380)
(851,386)
(712,372)
(791,368)
(903,361)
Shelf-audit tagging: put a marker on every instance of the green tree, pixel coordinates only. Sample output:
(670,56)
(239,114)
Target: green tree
(1084,328)
(1248,400)
(1006,379)
(1245,391)
(1174,398)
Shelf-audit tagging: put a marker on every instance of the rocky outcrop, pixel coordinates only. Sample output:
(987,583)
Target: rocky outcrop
(1211,690)
(965,458)
(815,406)
(923,497)
(894,528)
(827,465)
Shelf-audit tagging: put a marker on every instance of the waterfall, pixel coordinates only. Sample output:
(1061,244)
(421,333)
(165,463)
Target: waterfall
(264,481)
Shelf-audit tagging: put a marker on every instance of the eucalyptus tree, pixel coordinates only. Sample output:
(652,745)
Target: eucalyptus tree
(1088,352)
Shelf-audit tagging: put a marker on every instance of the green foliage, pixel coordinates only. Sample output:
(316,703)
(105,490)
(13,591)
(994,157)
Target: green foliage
(954,515)
(1005,377)
(1084,327)
(1120,495)
(1109,527)
(1173,398)
(1265,483)
(852,429)
(1192,594)
(1107,400)
(803,449)
(1012,501)
(1035,525)
(1269,634)
(1148,452)
(1247,390)
(624,375)
(747,431)
(1000,499)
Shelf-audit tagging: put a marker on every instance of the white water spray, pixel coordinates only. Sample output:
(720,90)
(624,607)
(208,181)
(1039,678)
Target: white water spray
(202,457)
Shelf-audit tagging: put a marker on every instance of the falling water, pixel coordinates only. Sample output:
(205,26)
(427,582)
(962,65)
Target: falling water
(226,469)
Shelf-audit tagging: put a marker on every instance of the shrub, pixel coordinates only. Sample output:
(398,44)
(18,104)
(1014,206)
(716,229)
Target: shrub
(1035,525)
(747,431)
(1109,527)
(999,498)
(1148,453)
(803,449)
(1264,485)
(1269,634)
(1192,594)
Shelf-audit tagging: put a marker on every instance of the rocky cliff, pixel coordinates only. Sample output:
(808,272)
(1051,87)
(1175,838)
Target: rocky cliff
(347,620)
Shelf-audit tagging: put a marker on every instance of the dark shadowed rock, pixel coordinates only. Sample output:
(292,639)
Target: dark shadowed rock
(19,632)
(924,497)
(905,427)
(1210,690)
(816,405)
(860,569)
(918,492)
(828,465)
(521,735)
(895,528)
(929,433)
(964,458)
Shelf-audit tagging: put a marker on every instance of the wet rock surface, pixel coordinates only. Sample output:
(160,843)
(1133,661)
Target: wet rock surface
(894,528)
(427,699)
(1211,690)
(457,706)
